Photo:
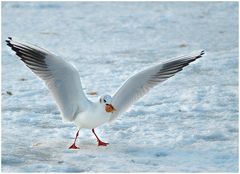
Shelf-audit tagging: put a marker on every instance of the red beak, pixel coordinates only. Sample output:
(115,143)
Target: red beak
(109,108)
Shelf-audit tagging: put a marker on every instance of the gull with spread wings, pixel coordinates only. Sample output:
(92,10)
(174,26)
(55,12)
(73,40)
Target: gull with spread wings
(63,82)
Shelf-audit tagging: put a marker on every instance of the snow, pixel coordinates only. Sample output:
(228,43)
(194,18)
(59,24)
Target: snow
(187,124)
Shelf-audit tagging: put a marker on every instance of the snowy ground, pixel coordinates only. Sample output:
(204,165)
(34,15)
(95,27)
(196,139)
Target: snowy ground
(188,124)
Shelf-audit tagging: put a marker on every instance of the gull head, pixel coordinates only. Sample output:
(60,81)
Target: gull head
(106,100)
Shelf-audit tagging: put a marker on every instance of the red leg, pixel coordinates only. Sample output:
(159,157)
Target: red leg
(100,143)
(73,146)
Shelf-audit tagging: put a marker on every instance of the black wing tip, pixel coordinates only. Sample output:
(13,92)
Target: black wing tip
(201,54)
(8,41)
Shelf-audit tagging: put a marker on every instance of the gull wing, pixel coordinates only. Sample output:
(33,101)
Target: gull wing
(140,84)
(61,78)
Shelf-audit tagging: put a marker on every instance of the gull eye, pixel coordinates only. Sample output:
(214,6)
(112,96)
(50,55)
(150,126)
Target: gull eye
(104,101)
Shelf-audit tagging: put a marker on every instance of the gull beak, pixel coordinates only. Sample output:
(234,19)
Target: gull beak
(109,108)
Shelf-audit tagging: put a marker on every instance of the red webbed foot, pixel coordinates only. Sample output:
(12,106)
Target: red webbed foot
(100,143)
(73,146)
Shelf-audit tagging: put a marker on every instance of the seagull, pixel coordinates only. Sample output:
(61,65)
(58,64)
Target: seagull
(63,81)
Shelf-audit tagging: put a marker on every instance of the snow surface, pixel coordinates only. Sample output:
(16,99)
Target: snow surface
(188,124)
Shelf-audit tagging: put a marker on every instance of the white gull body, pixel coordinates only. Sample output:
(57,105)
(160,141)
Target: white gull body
(63,82)
(92,117)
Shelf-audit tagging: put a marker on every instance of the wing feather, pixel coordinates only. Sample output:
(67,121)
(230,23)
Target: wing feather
(61,78)
(141,83)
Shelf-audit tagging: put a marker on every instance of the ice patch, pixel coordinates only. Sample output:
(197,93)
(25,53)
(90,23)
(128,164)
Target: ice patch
(212,137)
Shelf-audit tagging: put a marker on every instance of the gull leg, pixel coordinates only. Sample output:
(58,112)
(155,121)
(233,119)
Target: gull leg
(73,146)
(100,143)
